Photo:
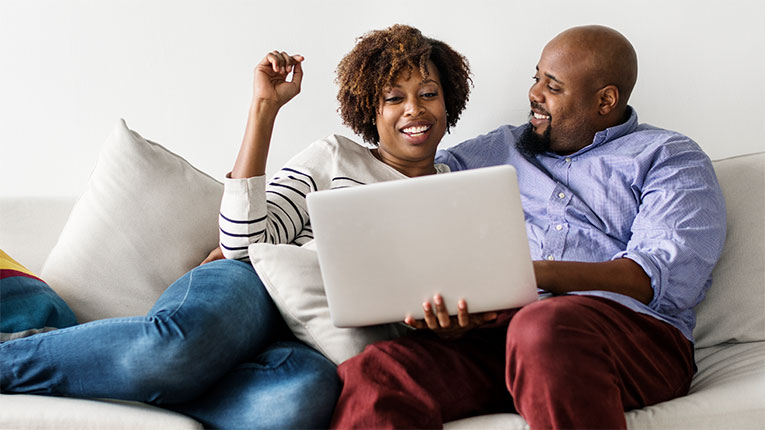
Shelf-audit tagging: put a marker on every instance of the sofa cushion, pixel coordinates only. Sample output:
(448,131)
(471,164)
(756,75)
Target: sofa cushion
(146,218)
(27,304)
(727,392)
(27,411)
(292,277)
(733,308)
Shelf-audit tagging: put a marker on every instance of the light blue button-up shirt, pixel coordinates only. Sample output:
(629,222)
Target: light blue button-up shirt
(637,192)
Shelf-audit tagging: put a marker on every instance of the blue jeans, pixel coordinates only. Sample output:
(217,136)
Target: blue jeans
(213,347)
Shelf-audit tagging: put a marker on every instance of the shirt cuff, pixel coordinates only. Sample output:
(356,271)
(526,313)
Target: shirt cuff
(651,269)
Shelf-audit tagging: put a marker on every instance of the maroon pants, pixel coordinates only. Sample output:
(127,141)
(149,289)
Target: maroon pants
(563,362)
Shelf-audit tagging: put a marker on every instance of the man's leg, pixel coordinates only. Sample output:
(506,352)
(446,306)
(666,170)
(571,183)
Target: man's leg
(420,381)
(287,386)
(580,362)
(203,325)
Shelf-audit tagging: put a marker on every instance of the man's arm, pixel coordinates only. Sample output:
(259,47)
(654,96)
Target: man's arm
(622,276)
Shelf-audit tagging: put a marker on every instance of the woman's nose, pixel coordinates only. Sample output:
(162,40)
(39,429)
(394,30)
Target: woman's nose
(414,107)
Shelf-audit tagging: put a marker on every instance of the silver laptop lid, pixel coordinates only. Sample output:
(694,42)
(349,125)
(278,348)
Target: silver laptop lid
(385,248)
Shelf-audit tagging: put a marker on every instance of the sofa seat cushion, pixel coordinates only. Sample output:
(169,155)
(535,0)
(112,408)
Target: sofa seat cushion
(27,411)
(727,392)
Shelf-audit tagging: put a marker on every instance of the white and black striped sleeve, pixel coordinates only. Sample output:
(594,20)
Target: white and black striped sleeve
(253,212)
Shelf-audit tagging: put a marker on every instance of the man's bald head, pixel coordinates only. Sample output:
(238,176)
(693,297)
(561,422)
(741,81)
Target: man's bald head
(583,81)
(608,55)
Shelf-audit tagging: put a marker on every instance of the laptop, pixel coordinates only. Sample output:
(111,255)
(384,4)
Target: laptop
(387,247)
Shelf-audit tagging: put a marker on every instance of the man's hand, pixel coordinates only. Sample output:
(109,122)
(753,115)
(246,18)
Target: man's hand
(215,254)
(445,326)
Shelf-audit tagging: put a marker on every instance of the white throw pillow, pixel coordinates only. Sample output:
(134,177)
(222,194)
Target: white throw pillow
(292,277)
(733,309)
(146,218)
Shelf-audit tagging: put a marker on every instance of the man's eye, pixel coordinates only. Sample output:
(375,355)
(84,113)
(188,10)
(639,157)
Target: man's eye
(535,79)
(553,89)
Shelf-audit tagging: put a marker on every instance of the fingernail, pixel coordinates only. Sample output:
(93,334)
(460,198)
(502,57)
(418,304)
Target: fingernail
(462,304)
(437,299)
(426,306)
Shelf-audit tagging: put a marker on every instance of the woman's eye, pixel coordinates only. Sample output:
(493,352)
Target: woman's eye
(392,99)
(430,95)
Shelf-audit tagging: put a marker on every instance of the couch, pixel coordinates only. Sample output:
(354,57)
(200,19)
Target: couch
(727,392)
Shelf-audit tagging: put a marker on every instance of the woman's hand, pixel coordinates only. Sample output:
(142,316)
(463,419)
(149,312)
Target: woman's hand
(215,254)
(449,327)
(270,83)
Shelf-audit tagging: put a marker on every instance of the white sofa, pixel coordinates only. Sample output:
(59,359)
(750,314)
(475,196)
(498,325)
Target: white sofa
(727,392)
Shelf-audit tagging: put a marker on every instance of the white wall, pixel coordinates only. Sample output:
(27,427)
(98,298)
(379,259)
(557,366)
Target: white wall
(179,72)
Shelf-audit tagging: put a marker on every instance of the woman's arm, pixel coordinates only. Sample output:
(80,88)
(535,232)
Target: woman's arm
(246,214)
(271,91)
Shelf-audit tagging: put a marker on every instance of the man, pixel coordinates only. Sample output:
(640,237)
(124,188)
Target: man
(626,222)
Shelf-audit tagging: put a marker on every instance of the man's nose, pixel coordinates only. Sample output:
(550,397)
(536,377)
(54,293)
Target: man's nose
(535,94)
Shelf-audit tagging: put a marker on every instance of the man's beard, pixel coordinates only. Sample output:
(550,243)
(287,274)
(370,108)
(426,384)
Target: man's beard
(531,143)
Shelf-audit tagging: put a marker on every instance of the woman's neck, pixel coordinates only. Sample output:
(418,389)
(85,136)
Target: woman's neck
(408,168)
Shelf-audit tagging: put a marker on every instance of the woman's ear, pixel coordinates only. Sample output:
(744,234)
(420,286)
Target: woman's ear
(608,98)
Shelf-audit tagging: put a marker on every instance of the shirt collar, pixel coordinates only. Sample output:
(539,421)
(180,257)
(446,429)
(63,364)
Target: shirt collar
(617,131)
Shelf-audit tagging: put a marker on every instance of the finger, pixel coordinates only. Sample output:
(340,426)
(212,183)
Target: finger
(430,318)
(483,318)
(287,62)
(276,61)
(292,59)
(297,75)
(489,316)
(462,313)
(410,321)
(441,313)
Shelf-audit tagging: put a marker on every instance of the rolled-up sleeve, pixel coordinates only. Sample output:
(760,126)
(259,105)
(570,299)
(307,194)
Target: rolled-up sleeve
(679,231)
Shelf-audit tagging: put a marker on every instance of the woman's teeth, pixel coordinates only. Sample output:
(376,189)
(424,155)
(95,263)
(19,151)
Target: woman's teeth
(416,131)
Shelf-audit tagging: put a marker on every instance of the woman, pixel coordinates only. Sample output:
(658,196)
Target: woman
(214,347)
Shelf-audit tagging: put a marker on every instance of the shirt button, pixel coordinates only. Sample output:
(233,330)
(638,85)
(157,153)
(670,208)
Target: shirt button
(568,159)
(550,257)
(561,195)
(559,227)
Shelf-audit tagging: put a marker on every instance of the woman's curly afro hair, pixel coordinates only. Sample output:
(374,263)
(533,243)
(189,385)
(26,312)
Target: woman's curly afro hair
(375,63)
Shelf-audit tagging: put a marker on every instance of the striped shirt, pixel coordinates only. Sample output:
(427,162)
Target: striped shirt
(253,211)
(637,192)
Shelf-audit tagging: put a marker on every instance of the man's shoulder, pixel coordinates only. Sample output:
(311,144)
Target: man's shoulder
(656,149)
(493,147)
(647,138)
(503,134)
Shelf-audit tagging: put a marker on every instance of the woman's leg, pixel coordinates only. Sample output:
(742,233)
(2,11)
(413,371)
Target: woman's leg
(288,385)
(203,325)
